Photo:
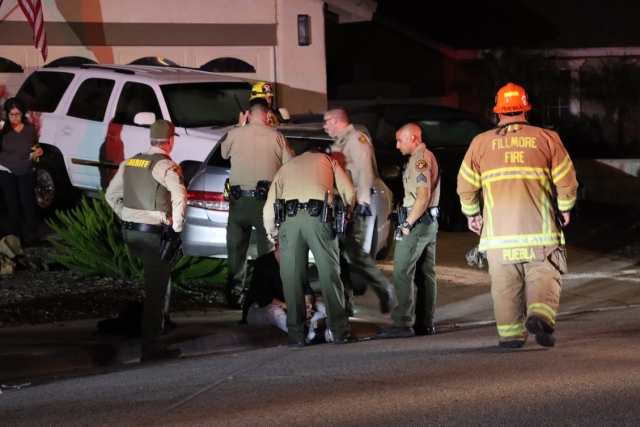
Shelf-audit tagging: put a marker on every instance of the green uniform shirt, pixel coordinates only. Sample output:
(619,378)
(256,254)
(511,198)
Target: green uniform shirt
(354,152)
(257,151)
(307,176)
(421,172)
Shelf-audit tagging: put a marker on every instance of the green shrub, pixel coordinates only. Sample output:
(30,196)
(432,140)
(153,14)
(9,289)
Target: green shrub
(93,245)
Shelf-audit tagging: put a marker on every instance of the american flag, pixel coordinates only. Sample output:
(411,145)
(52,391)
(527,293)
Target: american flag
(32,9)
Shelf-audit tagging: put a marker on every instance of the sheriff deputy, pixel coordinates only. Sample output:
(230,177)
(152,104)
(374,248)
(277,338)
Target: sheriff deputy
(148,192)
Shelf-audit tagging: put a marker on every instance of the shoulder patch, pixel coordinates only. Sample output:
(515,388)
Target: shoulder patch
(178,171)
(422,178)
(421,165)
(362,139)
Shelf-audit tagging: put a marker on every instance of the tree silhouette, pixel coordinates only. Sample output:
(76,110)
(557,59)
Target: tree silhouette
(533,71)
(615,86)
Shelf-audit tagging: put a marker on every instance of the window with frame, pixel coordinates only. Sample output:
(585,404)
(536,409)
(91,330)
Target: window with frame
(557,103)
(91,100)
(136,98)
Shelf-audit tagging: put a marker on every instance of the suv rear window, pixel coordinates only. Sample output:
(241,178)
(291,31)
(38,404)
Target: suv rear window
(205,104)
(43,90)
(91,100)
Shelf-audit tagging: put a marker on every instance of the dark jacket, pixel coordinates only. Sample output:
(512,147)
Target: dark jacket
(16,148)
(266,284)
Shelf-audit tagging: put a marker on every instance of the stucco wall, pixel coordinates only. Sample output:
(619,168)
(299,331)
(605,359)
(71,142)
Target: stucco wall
(175,11)
(188,32)
(301,70)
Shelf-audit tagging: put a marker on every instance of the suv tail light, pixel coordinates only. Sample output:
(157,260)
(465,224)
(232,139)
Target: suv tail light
(207,200)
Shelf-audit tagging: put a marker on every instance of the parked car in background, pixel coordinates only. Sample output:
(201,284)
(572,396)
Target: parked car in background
(446,131)
(207,213)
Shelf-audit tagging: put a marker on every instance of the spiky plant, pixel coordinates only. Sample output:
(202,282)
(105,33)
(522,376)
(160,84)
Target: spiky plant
(93,245)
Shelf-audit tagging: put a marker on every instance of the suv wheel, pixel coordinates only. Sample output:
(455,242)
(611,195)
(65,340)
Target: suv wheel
(52,191)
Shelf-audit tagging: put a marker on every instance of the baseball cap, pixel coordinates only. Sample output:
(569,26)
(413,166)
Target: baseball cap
(163,129)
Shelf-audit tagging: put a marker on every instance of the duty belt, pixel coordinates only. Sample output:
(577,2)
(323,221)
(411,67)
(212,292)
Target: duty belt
(313,206)
(430,215)
(144,228)
(259,193)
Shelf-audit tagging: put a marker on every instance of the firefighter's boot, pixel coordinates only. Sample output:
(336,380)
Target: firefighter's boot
(542,330)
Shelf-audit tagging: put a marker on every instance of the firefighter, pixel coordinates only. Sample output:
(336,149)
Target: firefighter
(262,90)
(518,169)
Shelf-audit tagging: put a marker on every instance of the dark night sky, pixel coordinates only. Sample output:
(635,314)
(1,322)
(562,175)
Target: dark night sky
(543,24)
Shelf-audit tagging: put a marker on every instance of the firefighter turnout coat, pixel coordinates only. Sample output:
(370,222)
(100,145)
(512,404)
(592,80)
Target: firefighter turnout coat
(514,169)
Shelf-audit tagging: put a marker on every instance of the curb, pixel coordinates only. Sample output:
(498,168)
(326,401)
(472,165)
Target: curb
(192,340)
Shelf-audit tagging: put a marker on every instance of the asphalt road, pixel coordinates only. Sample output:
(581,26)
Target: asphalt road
(455,378)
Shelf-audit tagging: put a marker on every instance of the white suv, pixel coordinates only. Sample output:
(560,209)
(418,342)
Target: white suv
(85,120)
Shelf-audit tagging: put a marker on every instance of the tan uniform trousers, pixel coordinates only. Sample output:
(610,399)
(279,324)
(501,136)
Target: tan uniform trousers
(521,290)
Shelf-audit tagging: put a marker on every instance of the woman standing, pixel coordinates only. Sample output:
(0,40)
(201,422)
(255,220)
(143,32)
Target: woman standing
(18,149)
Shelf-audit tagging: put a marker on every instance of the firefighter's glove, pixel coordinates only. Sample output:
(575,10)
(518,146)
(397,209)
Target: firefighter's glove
(474,256)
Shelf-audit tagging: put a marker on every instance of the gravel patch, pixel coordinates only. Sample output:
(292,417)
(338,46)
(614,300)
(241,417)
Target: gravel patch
(35,297)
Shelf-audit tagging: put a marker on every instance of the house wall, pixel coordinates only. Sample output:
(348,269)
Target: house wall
(189,32)
(301,70)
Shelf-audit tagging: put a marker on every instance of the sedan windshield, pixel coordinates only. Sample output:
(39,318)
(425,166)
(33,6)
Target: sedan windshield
(206,104)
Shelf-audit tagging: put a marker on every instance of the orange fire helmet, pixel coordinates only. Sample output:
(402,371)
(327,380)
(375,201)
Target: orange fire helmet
(511,98)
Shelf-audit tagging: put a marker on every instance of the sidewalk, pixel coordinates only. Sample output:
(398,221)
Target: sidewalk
(464,300)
